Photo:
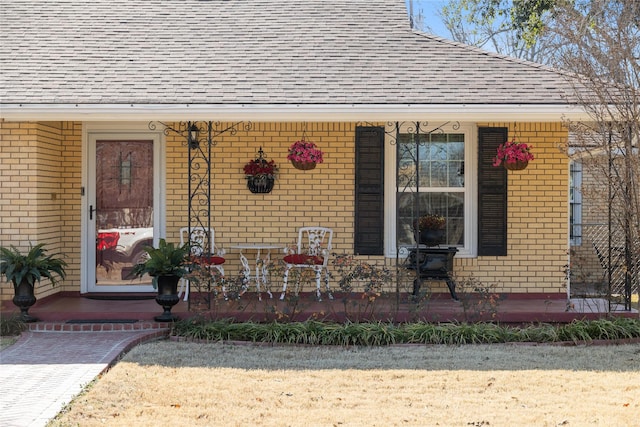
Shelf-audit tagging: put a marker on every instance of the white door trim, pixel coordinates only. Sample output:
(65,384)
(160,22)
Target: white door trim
(92,132)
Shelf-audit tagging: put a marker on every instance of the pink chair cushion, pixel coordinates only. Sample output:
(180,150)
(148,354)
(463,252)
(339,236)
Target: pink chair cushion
(304,259)
(216,260)
(212,260)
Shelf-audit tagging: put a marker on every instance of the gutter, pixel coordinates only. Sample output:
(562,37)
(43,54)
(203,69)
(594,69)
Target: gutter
(294,112)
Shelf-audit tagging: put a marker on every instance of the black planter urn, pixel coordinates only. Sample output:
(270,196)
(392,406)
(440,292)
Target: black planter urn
(24,299)
(431,237)
(167,297)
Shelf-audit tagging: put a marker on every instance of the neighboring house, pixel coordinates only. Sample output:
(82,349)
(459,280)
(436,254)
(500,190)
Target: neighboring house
(596,215)
(86,89)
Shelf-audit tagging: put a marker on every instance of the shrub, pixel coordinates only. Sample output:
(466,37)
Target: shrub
(384,333)
(11,326)
(480,302)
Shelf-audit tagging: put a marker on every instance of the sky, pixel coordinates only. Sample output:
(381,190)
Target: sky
(430,11)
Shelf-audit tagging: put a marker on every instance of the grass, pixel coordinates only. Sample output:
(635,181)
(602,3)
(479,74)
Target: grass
(354,374)
(215,384)
(7,341)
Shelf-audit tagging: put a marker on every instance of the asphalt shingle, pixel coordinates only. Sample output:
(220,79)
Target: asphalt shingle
(248,52)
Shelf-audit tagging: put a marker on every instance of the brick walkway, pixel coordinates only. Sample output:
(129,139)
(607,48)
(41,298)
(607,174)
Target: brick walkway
(44,371)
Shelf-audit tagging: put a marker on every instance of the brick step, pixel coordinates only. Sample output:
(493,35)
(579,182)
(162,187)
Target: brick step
(101,326)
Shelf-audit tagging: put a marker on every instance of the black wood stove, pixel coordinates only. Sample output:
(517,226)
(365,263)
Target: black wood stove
(432,263)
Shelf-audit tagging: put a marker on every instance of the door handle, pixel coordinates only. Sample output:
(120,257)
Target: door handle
(91,210)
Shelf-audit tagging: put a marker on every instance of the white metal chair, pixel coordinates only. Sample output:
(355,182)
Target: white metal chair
(312,251)
(202,244)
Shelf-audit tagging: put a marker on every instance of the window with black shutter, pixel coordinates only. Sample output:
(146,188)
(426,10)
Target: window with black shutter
(492,194)
(369,191)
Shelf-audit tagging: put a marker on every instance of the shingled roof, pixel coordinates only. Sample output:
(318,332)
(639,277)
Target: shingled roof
(165,55)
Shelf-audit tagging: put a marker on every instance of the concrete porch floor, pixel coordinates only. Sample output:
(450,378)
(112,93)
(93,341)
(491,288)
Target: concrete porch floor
(55,312)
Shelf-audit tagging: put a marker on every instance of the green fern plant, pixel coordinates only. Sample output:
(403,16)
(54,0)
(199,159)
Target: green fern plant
(165,260)
(31,267)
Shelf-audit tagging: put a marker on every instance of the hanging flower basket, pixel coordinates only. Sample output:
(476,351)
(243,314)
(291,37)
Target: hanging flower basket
(513,155)
(516,166)
(304,155)
(303,166)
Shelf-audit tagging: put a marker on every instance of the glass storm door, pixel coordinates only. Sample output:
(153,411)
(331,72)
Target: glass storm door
(121,212)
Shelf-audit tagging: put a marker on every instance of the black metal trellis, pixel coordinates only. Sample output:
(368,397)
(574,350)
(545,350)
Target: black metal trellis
(628,263)
(200,137)
(419,258)
(613,240)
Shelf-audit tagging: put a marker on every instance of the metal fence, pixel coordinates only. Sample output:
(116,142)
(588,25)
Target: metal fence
(601,262)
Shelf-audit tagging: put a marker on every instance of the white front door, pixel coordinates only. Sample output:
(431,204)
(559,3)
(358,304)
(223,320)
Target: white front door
(122,206)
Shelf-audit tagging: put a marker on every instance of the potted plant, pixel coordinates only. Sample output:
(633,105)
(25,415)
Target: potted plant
(24,270)
(430,229)
(304,155)
(260,174)
(166,264)
(513,155)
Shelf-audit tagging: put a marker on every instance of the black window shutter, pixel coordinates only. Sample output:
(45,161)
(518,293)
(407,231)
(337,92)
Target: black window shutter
(492,194)
(369,192)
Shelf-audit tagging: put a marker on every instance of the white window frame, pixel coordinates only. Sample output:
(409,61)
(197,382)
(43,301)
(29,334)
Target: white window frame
(575,202)
(470,131)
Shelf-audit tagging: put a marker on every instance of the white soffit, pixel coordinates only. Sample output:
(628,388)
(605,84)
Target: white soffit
(291,113)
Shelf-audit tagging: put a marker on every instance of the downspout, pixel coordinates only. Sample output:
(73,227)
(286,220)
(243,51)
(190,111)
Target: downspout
(610,214)
(628,261)
(397,214)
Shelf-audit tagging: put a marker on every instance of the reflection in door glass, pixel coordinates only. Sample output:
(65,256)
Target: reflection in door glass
(124,209)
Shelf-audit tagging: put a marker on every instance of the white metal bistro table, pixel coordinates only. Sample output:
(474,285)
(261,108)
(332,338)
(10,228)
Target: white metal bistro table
(261,265)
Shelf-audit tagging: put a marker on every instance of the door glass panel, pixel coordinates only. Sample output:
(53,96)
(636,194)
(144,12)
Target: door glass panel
(124,209)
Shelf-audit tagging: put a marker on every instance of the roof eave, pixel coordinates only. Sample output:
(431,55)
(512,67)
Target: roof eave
(294,112)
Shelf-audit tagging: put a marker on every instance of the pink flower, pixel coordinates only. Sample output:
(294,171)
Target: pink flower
(512,152)
(305,152)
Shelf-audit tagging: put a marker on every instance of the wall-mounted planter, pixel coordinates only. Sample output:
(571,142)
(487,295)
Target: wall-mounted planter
(260,174)
(260,184)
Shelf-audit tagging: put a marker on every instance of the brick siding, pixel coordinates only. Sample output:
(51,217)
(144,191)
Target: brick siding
(40,201)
